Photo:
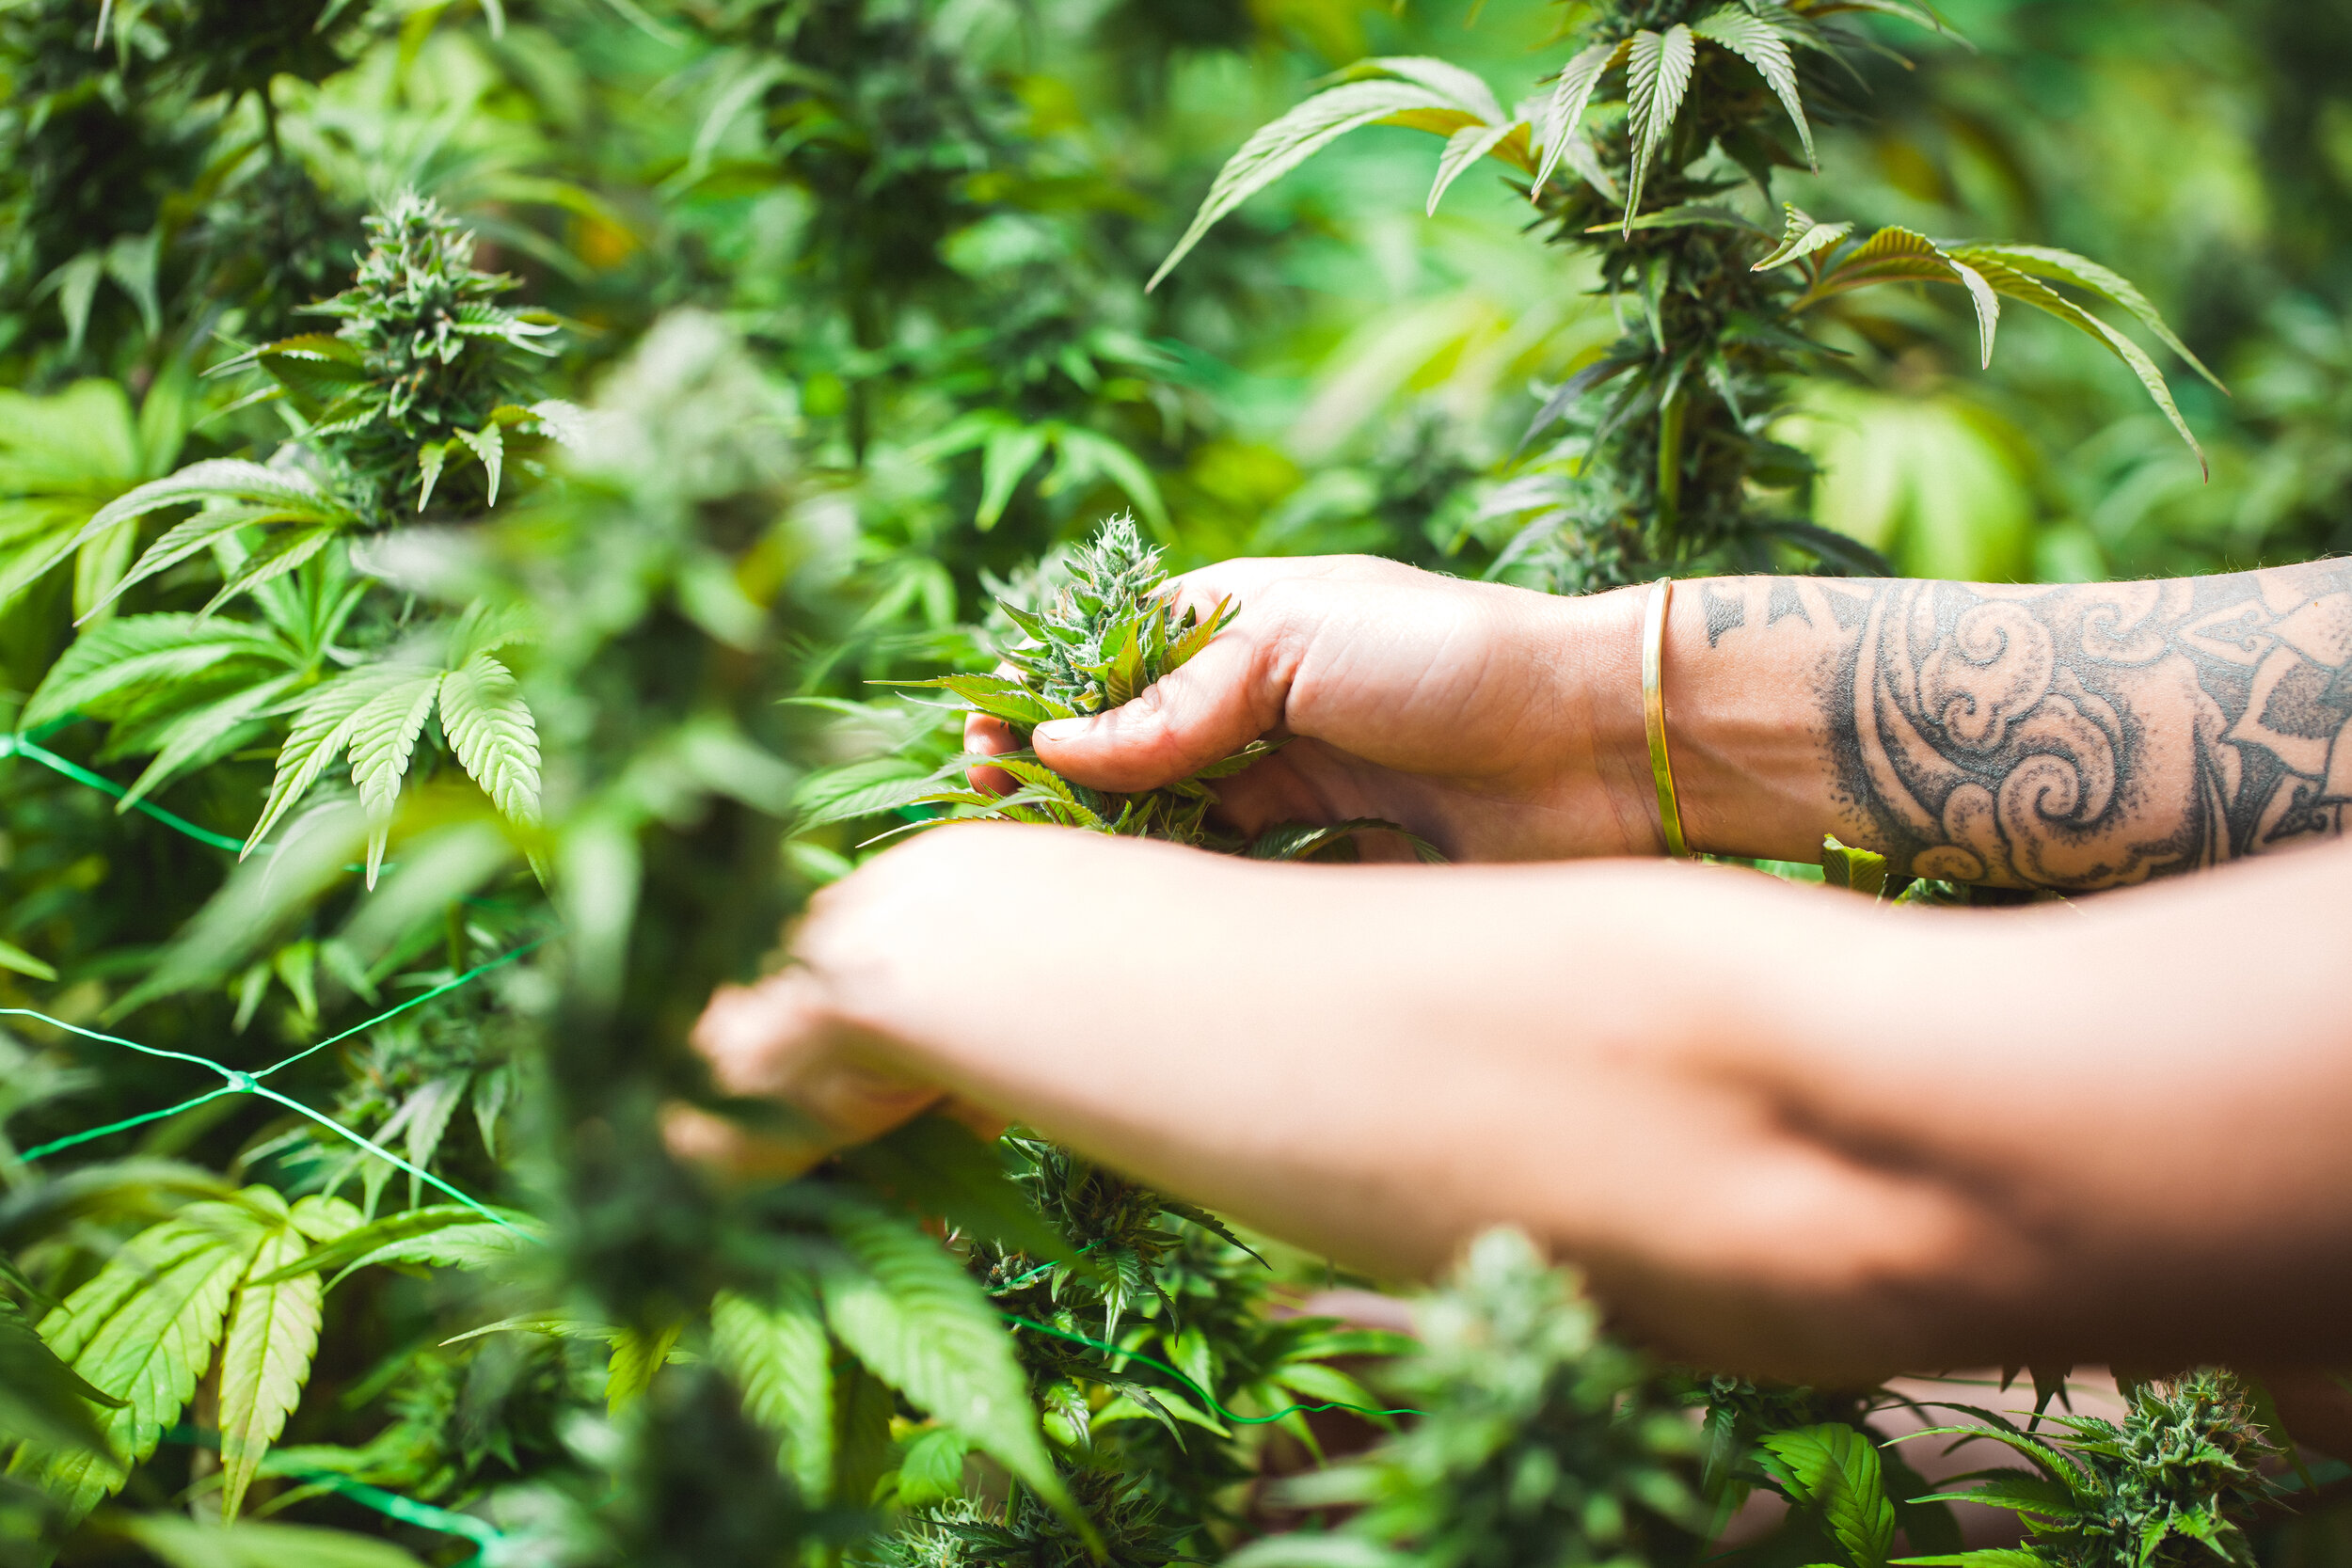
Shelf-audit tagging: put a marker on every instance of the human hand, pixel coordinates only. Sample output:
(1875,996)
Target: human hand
(1500,724)
(827,1037)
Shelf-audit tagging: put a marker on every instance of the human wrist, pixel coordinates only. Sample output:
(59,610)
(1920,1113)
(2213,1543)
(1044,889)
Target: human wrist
(1598,666)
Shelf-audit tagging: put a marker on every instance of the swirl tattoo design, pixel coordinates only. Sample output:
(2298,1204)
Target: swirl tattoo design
(2079,738)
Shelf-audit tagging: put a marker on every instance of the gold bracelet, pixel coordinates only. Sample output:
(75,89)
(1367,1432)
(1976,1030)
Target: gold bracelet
(1661,594)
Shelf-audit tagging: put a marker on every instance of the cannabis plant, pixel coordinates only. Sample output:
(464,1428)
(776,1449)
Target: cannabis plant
(2170,1485)
(423,366)
(1108,633)
(1637,152)
(1540,1442)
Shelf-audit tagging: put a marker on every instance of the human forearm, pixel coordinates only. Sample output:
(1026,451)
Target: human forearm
(1785,1131)
(1390,1061)
(2068,737)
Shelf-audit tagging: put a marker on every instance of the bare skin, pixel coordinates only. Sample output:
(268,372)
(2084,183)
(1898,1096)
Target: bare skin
(1785,1131)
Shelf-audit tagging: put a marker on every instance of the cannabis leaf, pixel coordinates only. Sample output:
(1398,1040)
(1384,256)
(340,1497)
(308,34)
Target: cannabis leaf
(65,456)
(273,1331)
(378,711)
(1392,98)
(143,1330)
(231,494)
(1833,1469)
(779,1356)
(905,1308)
(1657,78)
(1990,273)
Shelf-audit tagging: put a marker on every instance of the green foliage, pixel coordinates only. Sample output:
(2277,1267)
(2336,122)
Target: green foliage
(426,366)
(1677,465)
(150,1325)
(852,316)
(1541,1443)
(1106,633)
(2168,1484)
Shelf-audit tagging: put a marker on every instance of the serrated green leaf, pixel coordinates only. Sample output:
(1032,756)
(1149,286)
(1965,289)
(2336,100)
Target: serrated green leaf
(1833,1469)
(908,1310)
(1800,237)
(781,1361)
(430,461)
(1860,870)
(1563,116)
(143,1330)
(1988,306)
(638,1354)
(134,655)
(932,1469)
(493,735)
(2017,285)
(868,788)
(218,479)
(204,735)
(284,551)
(2020,1491)
(490,445)
(1757,41)
(272,1332)
(322,728)
(2064,265)
(384,733)
(1657,78)
(1466,89)
(1290,141)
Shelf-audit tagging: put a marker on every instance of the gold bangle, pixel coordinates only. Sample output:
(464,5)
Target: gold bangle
(1654,714)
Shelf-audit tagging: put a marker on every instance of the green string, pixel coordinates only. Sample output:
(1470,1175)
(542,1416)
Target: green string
(408,1511)
(1206,1397)
(244,1083)
(239,1081)
(21,745)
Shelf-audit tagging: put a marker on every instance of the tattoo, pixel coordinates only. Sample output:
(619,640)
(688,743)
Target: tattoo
(1725,613)
(2083,738)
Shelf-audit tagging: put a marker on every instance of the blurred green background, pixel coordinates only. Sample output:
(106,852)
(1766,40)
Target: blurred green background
(933,219)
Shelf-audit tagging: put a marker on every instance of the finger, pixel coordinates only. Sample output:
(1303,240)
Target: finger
(698,1137)
(983,1123)
(1229,694)
(990,737)
(778,1040)
(757,1039)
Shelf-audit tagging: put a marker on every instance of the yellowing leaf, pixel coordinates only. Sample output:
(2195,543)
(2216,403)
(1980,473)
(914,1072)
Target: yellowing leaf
(265,1359)
(143,1330)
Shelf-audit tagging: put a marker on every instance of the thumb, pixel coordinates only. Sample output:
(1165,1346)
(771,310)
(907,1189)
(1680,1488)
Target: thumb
(1226,696)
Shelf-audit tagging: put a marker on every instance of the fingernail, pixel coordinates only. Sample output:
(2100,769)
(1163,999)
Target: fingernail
(1060,730)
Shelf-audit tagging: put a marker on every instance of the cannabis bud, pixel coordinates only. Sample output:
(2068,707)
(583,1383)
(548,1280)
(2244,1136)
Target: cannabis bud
(425,366)
(1543,1445)
(2161,1489)
(1109,631)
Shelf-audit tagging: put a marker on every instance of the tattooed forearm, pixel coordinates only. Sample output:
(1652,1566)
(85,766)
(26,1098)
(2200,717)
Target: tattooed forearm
(2073,738)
